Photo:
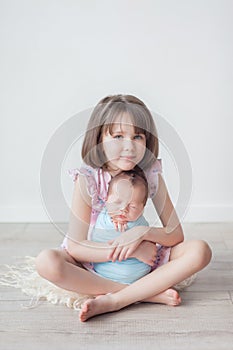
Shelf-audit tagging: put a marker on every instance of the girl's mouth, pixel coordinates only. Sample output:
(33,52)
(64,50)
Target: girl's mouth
(130,158)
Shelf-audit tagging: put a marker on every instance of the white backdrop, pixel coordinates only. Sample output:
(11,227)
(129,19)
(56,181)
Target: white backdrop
(61,57)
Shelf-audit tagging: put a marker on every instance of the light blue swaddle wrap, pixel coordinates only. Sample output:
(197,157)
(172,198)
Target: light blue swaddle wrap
(126,271)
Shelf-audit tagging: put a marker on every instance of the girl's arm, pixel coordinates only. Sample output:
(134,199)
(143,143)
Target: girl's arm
(171,233)
(77,244)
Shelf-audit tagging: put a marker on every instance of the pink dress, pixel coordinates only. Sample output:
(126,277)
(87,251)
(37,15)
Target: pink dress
(98,181)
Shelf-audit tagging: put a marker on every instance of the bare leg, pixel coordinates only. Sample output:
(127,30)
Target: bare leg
(60,268)
(186,259)
(168,297)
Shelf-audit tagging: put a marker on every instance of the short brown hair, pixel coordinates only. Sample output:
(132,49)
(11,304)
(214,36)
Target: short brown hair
(102,120)
(135,177)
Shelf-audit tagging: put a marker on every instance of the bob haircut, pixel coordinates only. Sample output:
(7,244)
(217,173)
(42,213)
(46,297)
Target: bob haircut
(102,119)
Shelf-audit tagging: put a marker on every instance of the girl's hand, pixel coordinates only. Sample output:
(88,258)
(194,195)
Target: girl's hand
(146,252)
(124,245)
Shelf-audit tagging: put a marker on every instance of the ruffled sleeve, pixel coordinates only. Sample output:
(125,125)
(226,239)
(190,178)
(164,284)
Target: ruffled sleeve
(152,177)
(96,184)
(88,172)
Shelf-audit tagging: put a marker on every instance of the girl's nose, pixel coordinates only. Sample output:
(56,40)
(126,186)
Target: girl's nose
(128,145)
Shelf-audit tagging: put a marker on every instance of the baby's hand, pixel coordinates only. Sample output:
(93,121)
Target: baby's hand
(146,252)
(119,226)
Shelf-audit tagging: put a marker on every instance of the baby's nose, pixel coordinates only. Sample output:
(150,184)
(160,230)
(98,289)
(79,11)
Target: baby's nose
(124,210)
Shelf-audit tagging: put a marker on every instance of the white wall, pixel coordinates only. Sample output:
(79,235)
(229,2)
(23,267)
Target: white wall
(60,57)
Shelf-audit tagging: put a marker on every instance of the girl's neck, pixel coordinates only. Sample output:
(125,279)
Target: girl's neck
(112,172)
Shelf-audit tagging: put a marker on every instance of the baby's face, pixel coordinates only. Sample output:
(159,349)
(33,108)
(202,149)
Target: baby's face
(125,201)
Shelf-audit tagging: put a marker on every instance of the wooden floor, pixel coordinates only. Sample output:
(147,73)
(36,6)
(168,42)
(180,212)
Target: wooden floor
(203,321)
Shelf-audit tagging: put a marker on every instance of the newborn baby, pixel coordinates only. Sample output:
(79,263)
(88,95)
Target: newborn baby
(127,196)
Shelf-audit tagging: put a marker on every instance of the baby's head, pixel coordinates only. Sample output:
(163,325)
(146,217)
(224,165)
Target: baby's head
(119,110)
(127,196)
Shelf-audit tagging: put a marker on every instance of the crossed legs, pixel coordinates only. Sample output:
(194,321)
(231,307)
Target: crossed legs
(186,258)
(60,268)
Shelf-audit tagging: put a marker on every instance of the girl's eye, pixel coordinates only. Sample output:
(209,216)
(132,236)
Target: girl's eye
(138,137)
(117,137)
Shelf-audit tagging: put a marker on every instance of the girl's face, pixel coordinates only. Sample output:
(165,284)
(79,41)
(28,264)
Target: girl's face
(124,148)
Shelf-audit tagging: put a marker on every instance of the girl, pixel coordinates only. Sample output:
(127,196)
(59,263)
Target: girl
(121,136)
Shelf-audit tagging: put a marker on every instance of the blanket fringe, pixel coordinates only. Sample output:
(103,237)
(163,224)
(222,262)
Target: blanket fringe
(186,283)
(24,276)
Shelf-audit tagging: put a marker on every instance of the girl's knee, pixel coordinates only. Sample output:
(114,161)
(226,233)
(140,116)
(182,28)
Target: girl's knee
(202,253)
(49,265)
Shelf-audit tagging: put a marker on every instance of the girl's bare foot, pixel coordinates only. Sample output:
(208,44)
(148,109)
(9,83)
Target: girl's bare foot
(106,303)
(169,297)
(97,306)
